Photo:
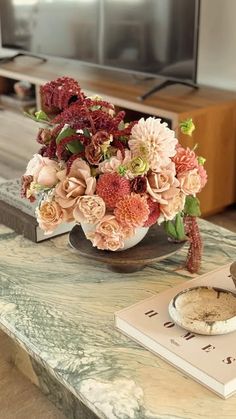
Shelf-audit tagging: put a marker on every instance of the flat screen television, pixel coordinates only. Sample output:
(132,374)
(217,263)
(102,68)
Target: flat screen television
(149,37)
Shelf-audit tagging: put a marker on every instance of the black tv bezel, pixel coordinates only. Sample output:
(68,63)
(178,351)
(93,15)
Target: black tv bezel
(141,74)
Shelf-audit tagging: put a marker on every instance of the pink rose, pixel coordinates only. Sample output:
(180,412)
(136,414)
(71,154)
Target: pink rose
(185,160)
(174,205)
(89,209)
(49,216)
(78,182)
(190,182)
(43,170)
(159,183)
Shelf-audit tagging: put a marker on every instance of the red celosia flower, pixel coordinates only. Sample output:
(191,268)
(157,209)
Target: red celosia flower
(194,256)
(154,213)
(132,210)
(112,187)
(60,93)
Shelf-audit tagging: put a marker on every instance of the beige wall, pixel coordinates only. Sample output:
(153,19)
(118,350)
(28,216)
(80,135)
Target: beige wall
(217,44)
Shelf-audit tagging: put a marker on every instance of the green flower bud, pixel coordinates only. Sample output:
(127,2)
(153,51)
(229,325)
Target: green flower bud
(122,170)
(201,160)
(187,127)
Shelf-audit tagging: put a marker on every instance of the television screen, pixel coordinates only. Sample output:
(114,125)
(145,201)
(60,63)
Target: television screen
(157,37)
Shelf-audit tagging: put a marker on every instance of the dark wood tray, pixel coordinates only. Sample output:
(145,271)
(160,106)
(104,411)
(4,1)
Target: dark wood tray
(154,247)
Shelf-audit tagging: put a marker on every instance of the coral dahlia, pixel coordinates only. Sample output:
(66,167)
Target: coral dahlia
(132,210)
(112,187)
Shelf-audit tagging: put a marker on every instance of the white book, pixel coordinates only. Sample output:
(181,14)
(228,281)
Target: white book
(211,360)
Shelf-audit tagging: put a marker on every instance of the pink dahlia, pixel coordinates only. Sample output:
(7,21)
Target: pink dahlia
(152,140)
(112,187)
(132,210)
(154,213)
(185,160)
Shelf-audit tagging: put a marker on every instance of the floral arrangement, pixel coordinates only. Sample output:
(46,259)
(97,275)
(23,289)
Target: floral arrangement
(95,168)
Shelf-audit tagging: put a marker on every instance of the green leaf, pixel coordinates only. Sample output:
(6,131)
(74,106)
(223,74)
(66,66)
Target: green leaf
(65,132)
(179,227)
(75,147)
(169,228)
(86,132)
(175,228)
(42,121)
(192,206)
(41,116)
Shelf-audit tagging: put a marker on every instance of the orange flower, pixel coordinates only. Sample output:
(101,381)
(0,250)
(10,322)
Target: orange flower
(132,210)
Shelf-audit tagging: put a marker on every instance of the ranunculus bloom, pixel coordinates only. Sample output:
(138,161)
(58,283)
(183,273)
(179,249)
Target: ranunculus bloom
(185,160)
(43,170)
(152,140)
(77,183)
(89,209)
(159,183)
(49,216)
(190,182)
(174,205)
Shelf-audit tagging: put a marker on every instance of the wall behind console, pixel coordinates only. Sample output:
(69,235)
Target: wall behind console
(217,44)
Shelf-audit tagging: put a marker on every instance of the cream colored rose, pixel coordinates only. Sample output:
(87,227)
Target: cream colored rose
(49,216)
(190,182)
(159,183)
(43,170)
(79,182)
(89,209)
(175,205)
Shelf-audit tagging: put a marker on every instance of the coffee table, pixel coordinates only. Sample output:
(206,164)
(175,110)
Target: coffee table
(58,308)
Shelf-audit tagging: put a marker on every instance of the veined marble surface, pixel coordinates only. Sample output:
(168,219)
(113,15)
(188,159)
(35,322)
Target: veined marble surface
(60,308)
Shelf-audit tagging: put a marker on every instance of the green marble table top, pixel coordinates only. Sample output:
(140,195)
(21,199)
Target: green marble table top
(60,308)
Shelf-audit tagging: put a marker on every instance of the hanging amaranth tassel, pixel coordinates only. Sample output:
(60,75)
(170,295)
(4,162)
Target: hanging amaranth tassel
(194,257)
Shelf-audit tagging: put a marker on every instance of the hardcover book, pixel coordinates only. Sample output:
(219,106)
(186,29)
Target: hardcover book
(19,214)
(211,360)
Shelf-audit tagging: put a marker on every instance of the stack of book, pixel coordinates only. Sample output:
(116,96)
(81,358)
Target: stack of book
(211,360)
(19,214)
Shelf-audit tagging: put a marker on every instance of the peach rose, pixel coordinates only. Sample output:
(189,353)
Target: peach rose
(89,209)
(109,226)
(78,182)
(49,216)
(190,182)
(43,170)
(102,242)
(158,183)
(175,205)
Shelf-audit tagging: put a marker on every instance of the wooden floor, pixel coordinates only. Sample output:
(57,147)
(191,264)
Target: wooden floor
(19,398)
